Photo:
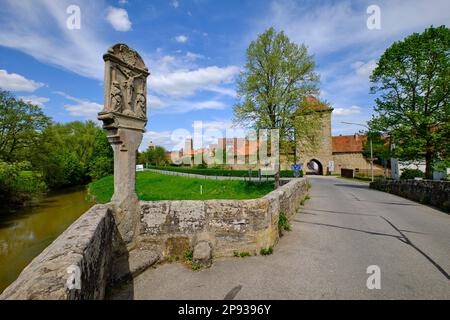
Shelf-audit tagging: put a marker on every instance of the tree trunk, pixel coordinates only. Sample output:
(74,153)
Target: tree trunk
(428,166)
(428,161)
(277,178)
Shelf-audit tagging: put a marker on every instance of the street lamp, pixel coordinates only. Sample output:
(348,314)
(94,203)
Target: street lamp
(370,140)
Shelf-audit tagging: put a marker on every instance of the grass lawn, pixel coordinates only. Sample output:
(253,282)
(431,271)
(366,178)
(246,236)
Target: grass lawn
(154,186)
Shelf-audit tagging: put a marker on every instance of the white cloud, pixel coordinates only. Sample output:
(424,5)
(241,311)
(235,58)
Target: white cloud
(346,111)
(217,124)
(209,105)
(328,27)
(364,69)
(193,56)
(161,138)
(223,91)
(175,3)
(351,115)
(167,60)
(174,78)
(83,108)
(178,106)
(338,29)
(39,101)
(16,82)
(123,1)
(118,18)
(155,102)
(181,38)
(185,83)
(44,34)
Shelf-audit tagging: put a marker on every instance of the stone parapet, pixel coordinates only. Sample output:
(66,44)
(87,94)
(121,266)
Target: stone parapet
(75,266)
(228,225)
(435,193)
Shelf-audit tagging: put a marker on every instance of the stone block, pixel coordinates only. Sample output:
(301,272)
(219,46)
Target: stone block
(202,254)
(176,246)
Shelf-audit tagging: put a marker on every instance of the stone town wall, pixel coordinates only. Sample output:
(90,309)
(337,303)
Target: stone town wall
(435,193)
(85,244)
(350,161)
(227,225)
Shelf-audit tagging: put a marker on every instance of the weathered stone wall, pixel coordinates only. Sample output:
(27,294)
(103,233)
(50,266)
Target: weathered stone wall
(228,225)
(435,193)
(85,244)
(350,161)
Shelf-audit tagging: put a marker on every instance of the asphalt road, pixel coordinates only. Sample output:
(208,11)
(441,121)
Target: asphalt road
(342,230)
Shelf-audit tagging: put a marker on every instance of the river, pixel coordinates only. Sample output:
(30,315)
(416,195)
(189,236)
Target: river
(28,231)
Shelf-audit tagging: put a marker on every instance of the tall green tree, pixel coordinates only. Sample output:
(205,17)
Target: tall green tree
(412,80)
(154,155)
(278,74)
(101,163)
(21,124)
(65,152)
(160,155)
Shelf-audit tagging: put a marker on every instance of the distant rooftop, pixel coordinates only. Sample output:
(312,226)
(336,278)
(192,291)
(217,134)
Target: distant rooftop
(343,144)
(311,103)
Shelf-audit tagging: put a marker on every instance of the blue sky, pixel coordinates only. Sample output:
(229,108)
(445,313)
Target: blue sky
(194,51)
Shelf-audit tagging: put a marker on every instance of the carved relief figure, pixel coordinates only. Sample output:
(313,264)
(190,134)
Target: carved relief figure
(125,83)
(116,97)
(141,106)
(128,84)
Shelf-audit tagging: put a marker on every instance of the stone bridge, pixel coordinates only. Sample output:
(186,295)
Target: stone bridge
(112,243)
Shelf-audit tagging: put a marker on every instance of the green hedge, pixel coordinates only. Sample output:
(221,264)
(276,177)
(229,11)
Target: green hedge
(411,174)
(220,172)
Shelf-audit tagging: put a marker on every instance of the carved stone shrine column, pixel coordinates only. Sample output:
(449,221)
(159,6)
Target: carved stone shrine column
(124,118)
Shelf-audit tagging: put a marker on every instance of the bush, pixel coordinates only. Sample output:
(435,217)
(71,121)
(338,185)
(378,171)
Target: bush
(241,254)
(266,251)
(188,255)
(30,182)
(18,184)
(307,197)
(64,170)
(8,175)
(100,167)
(411,174)
(283,223)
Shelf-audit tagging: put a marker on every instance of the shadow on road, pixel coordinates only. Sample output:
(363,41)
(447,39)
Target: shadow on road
(396,203)
(356,186)
(304,210)
(347,228)
(401,237)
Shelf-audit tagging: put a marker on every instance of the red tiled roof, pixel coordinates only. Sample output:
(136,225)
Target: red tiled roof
(312,103)
(353,143)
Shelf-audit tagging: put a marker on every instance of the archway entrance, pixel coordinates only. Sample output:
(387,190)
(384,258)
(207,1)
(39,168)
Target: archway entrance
(314,167)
